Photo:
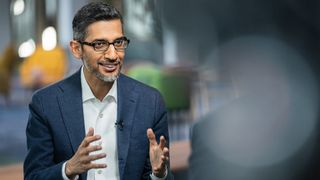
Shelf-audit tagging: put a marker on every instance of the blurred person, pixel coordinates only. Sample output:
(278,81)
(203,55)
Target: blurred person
(43,68)
(97,123)
(7,64)
(268,129)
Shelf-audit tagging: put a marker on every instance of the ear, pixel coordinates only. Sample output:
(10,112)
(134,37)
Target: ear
(76,49)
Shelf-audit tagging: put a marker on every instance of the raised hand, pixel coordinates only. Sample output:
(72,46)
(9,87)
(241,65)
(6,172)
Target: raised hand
(159,154)
(82,160)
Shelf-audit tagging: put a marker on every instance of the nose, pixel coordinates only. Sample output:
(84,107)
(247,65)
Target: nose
(111,53)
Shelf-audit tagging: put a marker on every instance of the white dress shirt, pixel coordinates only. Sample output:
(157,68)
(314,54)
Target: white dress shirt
(102,116)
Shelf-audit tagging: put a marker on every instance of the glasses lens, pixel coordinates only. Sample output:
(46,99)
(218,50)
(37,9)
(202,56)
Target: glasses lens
(100,45)
(120,44)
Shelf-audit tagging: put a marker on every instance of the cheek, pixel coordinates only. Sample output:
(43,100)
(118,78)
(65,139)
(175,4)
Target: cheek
(121,56)
(91,59)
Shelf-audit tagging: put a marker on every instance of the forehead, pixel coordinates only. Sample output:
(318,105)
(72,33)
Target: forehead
(107,30)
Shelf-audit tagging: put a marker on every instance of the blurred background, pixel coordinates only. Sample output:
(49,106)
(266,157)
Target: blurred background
(240,79)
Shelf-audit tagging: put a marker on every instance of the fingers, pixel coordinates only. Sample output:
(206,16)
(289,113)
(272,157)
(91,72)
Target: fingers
(162,142)
(153,141)
(89,138)
(89,149)
(159,154)
(83,159)
(161,167)
(90,132)
(166,151)
(151,137)
(165,156)
(89,159)
(96,166)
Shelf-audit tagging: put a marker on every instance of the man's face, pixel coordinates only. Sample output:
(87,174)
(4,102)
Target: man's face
(106,65)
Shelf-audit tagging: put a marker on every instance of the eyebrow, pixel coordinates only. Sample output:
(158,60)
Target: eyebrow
(106,40)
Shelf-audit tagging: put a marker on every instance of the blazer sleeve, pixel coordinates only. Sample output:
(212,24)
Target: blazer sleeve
(160,128)
(39,162)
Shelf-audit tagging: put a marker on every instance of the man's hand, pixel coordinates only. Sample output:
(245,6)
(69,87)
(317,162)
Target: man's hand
(81,161)
(159,154)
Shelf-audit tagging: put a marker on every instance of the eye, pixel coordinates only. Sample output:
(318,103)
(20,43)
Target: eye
(100,44)
(118,42)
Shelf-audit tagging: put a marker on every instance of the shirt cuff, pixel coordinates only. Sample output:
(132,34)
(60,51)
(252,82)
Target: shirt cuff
(64,176)
(153,177)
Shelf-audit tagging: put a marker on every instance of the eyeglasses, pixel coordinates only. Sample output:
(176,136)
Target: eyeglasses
(119,44)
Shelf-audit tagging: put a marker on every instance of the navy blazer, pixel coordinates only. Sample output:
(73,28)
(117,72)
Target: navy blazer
(55,128)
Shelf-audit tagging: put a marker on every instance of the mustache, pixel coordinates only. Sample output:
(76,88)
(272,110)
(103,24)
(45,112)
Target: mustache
(109,62)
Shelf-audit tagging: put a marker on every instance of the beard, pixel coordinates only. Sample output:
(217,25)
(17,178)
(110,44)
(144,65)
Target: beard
(102,77)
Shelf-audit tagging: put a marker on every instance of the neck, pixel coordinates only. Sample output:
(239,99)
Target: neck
(98,87)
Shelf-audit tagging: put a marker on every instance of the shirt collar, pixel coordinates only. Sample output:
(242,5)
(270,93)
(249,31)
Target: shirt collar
(87,93)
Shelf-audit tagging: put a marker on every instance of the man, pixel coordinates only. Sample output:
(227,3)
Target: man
(97,123)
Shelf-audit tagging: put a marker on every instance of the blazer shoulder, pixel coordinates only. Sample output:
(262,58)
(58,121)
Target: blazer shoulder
(47,90)
(60,86)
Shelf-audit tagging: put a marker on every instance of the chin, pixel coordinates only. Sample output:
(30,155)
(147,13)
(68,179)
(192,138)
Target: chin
(108,78)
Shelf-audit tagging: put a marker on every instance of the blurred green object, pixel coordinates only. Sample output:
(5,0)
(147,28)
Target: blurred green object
(174,86)
(148,74)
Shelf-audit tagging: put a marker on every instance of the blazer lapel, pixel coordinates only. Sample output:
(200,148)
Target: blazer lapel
(70,103)
(127,100)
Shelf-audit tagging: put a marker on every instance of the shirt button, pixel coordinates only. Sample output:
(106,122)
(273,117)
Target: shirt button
(100,115)
(99,171)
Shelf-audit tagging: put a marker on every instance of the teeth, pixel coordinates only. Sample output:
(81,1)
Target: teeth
(109,64)
(109,67)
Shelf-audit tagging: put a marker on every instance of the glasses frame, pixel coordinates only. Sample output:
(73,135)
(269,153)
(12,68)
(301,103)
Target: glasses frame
(92,44)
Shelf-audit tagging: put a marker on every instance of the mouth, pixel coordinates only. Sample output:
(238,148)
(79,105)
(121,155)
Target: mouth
(109,66)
